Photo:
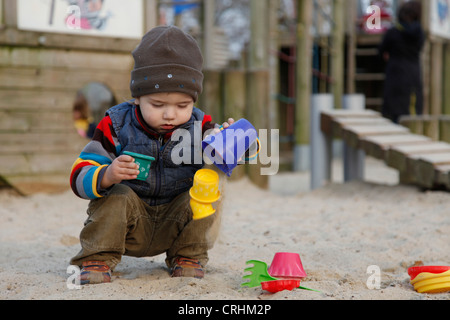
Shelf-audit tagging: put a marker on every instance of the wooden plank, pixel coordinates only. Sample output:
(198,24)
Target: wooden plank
(396,156)
(423,168)
(36,122)
(15,37)
(443,175)
(65,59)
(38,183)
(340,122)
(14,164)
(413,123)
(28,78)
(327,118)
(28,143)
(350,113)
(377,145)
(24,100)
(353,134)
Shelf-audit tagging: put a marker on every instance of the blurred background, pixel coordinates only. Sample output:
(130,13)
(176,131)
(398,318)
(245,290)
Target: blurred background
(64,62)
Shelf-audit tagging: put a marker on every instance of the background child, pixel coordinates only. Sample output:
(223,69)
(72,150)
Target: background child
(146,218)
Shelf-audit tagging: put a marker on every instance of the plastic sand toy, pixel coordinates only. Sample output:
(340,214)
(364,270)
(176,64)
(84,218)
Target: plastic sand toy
(144,163)
(259,276)
(430,279)
(226,148)
(287,265)
(204,192)
(280,285)
(414,271)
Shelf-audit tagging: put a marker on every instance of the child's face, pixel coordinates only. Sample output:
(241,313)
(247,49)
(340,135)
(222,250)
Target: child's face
(164,112)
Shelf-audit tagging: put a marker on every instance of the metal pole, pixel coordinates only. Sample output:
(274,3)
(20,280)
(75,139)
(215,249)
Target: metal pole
(353,158)
(321,144)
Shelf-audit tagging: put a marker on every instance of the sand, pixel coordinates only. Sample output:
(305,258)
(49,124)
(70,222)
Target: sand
(338,230)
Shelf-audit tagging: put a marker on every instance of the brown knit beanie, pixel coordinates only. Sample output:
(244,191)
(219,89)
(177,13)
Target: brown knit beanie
(167,60)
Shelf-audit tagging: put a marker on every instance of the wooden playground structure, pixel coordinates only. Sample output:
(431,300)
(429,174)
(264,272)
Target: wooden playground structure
(420,160)
(282,65)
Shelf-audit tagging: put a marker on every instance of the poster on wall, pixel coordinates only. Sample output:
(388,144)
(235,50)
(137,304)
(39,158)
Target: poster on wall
(440,18)
(106,18)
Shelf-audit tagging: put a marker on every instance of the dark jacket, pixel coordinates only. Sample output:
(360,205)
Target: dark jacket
(403,44)
(123,129)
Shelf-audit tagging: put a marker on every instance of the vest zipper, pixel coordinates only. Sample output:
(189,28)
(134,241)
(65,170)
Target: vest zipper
(159,165)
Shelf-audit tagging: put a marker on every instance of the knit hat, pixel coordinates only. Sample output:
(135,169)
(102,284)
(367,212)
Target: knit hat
(167,60)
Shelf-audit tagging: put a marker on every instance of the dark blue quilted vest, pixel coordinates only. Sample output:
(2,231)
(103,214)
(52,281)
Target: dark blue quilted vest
(166,179)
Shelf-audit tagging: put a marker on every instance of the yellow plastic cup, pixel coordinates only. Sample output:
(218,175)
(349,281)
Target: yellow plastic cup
(206,186)
(201,210)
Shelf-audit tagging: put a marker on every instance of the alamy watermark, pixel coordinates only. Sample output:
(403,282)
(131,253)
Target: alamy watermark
(374,280)
(235,144)
(73,282)
(73,20)
(374,20)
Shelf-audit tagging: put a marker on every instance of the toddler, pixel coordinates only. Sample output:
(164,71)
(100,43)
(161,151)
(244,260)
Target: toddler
(137,218)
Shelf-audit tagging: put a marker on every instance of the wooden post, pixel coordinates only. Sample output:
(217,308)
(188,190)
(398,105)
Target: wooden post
(303,85)
(258,79)
(444,128)
(338,52)
(10,13)
(354,158)
(446,108)
(273,63)
(211,98)
(321,143)
(208,32)
(151,14)
(234,101)
(351,46)
(436,77)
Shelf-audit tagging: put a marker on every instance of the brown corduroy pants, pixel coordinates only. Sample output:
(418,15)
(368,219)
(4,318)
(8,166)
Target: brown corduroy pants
(122,224)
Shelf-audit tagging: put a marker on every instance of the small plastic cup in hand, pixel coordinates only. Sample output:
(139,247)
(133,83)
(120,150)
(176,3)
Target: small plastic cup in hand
(144,162)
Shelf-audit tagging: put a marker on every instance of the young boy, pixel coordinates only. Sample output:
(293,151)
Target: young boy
(146,218)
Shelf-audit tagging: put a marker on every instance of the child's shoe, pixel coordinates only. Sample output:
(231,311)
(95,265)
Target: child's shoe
(94,272)
(184,267)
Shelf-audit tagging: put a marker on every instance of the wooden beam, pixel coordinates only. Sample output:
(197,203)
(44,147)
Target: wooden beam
(338,52)
(436,77)
(10,13)
(151,15)
(354,134)
(378,145)
(397,155)
(257,81)
(303,71)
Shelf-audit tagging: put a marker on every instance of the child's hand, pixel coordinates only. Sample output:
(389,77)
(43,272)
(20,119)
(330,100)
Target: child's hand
(224,126)
(122,168)
(228,123)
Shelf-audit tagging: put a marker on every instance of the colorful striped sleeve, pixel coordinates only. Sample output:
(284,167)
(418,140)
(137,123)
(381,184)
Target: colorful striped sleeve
(88,170)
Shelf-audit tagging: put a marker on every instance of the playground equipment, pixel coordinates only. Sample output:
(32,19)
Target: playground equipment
(420,160)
